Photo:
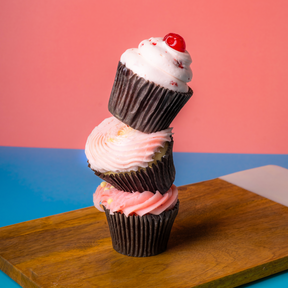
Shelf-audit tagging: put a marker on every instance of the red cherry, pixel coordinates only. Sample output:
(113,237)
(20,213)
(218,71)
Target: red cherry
(175,41)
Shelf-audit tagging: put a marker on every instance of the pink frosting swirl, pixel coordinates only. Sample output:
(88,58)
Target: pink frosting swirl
(114,146)
(134,203)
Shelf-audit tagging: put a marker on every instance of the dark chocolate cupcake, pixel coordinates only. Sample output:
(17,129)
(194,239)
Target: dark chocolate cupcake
(150,84)
(131,160)
(133,234)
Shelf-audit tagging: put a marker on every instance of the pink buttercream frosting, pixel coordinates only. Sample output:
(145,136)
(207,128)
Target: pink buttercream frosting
(114,146)
(135,202)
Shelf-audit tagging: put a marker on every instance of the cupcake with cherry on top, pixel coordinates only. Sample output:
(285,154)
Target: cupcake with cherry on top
(150,86)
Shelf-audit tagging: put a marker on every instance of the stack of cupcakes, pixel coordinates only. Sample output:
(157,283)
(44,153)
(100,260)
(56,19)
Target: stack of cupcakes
(132,150)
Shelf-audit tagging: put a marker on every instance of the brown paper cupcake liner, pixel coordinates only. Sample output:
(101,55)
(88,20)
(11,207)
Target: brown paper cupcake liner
(144,105)
(141,236)
(158,177)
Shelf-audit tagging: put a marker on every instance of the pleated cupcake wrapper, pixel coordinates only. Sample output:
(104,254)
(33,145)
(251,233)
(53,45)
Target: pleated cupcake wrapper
(144,105)
(158,177)
(141,236)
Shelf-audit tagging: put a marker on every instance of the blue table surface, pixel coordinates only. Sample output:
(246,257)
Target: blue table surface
(39,182)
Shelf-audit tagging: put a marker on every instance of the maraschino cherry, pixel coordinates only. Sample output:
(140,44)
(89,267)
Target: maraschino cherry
(175,41)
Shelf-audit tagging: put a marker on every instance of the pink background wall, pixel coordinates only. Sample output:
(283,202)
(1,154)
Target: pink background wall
(58,61)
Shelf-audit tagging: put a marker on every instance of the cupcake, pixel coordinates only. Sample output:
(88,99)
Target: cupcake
(129,159)
(150,86)
(139,223)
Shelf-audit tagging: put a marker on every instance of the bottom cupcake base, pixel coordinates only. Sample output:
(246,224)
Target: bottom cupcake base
(141,236)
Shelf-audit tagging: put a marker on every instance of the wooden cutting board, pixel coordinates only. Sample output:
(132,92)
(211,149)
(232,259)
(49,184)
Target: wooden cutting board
(223,236)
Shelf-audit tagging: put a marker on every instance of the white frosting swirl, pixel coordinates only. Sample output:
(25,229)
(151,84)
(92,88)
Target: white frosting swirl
(114,146)
(155,61)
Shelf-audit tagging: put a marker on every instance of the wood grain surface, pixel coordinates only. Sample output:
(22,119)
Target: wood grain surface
(223,236)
